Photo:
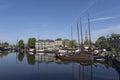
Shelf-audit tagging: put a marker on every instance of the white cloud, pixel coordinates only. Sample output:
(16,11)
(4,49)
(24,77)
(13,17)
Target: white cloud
(102,18)
(104,32)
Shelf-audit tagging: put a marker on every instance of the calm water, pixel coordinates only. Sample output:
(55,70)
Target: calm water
(18,66)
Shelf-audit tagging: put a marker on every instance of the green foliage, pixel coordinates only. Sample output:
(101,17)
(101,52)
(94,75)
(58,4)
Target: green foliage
(113,51)
(99,40)
(31,43)
(114,35)
(102,43)
(66,42)
(72,43)
(4,54)
(102,38)
(20,57)
(31,59)
(69,43)
(21,44)
(5,44)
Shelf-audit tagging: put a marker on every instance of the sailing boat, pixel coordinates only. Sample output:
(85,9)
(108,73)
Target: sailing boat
(78,50)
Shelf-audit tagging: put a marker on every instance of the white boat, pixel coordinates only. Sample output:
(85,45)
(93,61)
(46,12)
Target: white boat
(62,51)
(31,51)
(99,58)
(40,50)
(77,50)
(40,53)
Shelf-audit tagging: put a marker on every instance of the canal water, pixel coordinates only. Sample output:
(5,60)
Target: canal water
(21,66)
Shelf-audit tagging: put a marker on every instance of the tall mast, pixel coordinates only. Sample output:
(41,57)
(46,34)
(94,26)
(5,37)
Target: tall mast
(78,37)
(72,37)
(81,33)
(38,42)
(89,30)
(17,44)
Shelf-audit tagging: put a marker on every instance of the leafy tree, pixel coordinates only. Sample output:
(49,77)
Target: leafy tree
(102,43)
(114,35)
(31,43)
(69,43)
(99,41)
(5,44)
(102,38)
(21,44)
(72,43)
(113,51)
(66,42)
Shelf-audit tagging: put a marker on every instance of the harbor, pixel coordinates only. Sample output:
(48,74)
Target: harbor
(60,40)
(47,66)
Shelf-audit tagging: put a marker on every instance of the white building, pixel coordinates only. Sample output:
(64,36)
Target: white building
(48,44)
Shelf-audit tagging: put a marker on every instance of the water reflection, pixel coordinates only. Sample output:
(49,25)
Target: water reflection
(2,54)
(20,57)
(45,58)
(47,67)
(31,59)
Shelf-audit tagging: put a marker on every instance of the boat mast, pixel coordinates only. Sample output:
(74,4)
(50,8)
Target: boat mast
(78,37)
(81,34)
(71,37)
(89,31)
(17,44)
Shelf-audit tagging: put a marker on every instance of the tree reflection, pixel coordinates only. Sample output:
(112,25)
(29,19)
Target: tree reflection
(4,54)
(31,59)
(20,57)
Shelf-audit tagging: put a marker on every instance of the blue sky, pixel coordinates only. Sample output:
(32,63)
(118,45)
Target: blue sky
(51,19)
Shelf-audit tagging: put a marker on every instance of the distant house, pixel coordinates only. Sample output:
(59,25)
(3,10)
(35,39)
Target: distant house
(58,43)
(114,42)
(44,44)
(48,44)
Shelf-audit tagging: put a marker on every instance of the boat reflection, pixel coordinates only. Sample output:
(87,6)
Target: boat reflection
(80,70)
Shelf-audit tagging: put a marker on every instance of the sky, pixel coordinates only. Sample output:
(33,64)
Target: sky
(51,19)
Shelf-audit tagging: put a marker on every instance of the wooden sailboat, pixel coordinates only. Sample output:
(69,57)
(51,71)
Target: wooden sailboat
(82,56)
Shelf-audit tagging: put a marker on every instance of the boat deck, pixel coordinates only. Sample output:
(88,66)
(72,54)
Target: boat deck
(77,57)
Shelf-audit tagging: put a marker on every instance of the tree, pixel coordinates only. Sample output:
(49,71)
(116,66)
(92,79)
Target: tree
(114,35)
(31,43)
(102,43)
(99,41)
(66,42)
(69,43)
(102,38)
(21,44)
(5,44)
(72,43)
(113,51)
